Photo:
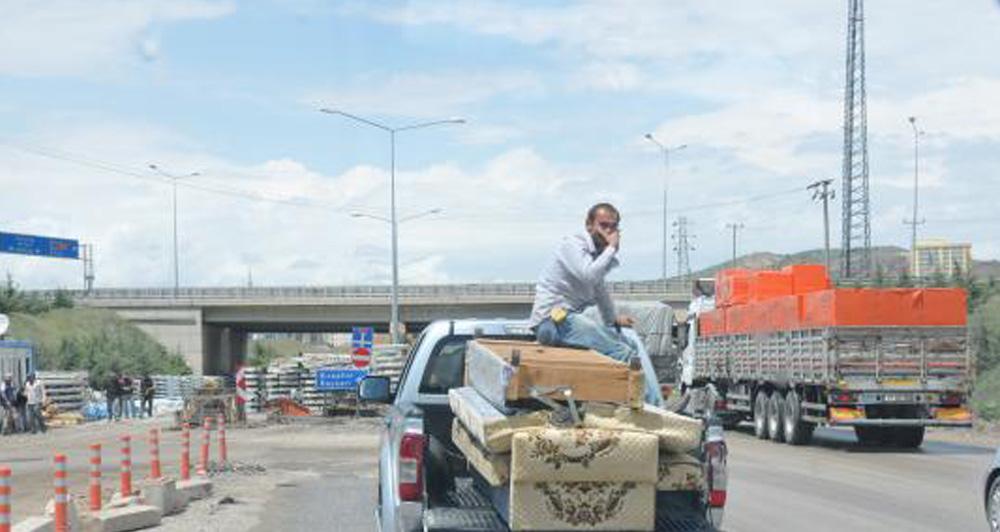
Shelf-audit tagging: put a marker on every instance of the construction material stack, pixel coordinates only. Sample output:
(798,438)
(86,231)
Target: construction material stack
(563,436)
(789,351)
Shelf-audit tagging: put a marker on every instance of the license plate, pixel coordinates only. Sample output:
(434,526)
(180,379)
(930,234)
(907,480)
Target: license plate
(887,397)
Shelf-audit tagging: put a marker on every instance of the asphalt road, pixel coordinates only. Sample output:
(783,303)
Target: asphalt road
(323,477)
(834,484)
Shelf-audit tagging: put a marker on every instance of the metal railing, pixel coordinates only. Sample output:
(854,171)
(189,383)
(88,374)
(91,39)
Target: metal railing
(655,289)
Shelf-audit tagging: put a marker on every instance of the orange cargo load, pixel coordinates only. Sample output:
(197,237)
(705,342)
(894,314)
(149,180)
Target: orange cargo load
(732,287)
(712,322)
(767,284)
(808,277)
(859,307)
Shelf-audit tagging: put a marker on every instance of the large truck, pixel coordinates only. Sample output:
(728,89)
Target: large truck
(786,351)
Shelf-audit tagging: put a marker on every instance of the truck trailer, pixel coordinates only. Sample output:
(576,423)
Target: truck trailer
(788,352)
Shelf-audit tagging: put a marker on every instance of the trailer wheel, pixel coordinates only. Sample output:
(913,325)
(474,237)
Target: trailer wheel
(797,431)
(760,415)
(775,416)
(908,437)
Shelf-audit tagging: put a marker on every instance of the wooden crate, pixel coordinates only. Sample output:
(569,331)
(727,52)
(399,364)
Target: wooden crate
(504,372)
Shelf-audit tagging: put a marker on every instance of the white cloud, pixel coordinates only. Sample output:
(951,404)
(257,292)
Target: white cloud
(67,37)
(438,94)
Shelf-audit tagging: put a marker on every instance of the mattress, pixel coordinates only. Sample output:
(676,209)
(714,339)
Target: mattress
(676,433)
(679,472)
(558,455)
(582,505)
(495,468)
(487,425)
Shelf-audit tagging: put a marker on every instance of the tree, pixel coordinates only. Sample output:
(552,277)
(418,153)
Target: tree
(905,281)
(62,299)
(880,279)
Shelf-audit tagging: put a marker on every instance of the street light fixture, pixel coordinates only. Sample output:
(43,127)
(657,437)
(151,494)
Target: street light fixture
(394,316)
(174,178)
(914,222)
(666,178)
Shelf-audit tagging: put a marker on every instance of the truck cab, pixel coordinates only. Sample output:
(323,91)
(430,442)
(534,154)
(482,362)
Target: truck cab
(424,480)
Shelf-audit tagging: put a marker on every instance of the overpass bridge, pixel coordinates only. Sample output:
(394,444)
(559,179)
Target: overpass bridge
(209,326)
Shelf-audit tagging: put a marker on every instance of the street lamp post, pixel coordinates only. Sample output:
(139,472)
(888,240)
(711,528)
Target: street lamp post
(394,315)
(666,179)
(914,222)
(174,178)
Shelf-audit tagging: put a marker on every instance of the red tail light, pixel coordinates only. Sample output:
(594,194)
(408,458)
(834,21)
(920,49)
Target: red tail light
(842,397)
(411,467)
(951,399)
(717,498)
(720,405)
(715,453)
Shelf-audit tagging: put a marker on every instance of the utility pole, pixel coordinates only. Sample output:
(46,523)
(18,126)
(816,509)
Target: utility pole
(174,178)
(665,150)
(821,192)
(682,246)
(87,255)
(914,222)
(735,227)
(856,229)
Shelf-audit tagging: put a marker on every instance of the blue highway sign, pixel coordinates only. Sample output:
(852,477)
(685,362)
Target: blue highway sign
(42,246)
(332,380)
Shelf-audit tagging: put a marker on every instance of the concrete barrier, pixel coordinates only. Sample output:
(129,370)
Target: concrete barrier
(162,493)
(195,488)
(37,523)
(126,518)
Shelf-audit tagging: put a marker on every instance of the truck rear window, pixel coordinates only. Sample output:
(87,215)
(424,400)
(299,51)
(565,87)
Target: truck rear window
(446,366)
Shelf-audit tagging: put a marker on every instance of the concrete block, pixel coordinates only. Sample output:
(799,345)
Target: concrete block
(73,514)
(36,524)
(196,488)
(162,493)
(126,518)
(117,501)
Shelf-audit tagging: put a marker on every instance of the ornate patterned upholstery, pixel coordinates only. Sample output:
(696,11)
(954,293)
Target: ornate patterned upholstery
(487,425)
(547,455)
(676,433)
(495,468)
(582,506)
(680,472)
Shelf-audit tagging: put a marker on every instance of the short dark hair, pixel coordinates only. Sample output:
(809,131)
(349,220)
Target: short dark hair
(602,207)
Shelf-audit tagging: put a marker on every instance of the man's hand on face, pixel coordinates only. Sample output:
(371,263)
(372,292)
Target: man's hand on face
(611,236)
(624,321)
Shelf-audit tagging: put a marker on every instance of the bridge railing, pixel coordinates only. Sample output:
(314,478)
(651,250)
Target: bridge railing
(658,289)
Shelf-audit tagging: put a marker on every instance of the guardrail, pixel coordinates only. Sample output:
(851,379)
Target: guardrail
(657,289)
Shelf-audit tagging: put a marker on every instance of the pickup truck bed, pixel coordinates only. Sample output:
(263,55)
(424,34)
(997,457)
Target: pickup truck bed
(467,509)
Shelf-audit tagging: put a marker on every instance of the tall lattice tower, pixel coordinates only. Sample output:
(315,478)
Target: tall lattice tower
(682,245)
(856,229)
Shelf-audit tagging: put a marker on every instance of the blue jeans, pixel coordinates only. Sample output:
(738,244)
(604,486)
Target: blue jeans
(580,331)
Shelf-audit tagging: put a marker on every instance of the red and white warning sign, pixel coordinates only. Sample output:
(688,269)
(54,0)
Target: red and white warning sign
(361,357)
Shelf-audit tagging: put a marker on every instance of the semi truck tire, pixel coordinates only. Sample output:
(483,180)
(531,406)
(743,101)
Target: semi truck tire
(760,415)
(797,431)
(870,436)
(775,417)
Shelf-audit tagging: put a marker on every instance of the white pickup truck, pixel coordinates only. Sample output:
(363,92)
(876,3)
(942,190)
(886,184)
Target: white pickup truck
(424,480)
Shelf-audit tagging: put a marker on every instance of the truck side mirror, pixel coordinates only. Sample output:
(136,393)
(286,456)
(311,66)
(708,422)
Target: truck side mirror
(374,389)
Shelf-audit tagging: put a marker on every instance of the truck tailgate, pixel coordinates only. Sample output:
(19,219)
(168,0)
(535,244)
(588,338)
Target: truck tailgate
(466,509)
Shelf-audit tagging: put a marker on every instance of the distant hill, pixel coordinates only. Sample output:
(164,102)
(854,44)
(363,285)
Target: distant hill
(893,260)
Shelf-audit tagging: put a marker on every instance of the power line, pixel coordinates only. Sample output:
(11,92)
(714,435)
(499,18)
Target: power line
(130,172)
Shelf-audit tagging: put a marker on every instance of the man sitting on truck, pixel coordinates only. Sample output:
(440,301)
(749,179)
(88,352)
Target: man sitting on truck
(573,281)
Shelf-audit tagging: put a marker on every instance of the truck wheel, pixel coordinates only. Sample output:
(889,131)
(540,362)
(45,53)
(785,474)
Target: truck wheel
(908,437)
(797,431)
(760,415)
(775,416)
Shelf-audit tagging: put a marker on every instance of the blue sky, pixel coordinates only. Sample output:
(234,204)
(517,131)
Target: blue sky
(557,98)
